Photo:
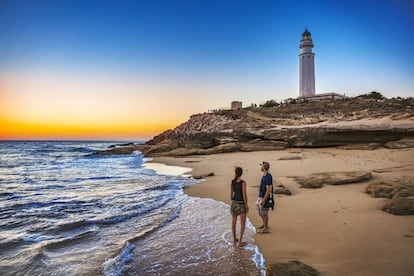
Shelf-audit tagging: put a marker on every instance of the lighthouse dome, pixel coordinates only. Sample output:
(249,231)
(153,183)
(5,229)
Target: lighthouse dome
(306,36)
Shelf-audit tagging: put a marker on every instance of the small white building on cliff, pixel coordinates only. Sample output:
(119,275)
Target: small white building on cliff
(236,105)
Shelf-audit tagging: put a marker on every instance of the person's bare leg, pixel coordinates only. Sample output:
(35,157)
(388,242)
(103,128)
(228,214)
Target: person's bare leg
(263,222)
(233,228)
(242,227)
(266,223)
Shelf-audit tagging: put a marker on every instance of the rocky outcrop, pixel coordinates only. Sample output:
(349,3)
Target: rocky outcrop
(202,176)
(383,189)
(129,149)
(401,192)
(400,205)
(259,144)
(317,180)
(328,136)
(281,190)
(326,124)
(290,158)
(400,144)
(291,268)
(369,146)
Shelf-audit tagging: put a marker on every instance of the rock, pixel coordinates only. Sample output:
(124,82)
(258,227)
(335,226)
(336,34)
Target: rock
(400,205)
(317,180)
(369,146)
(383,189)
(290,158)
(175,152)
(291,125)
(400,190)
(281,190)
(123,150)
(389,169)
(324,136)
(309,184)
(225,148)
(401,144)
(162,147)
(262,145)
(291,268)
(201,176)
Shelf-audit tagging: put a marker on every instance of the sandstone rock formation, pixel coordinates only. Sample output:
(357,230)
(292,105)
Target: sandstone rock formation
(202,176)
(317,180)
(401,192)
(290,158)
(314,124)
(291,268)
(282,190)
(401,144)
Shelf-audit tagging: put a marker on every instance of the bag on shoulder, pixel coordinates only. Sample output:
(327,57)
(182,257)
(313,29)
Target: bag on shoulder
(270,202)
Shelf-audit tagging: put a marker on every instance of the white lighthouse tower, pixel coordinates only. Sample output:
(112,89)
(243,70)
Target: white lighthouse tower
(306,66)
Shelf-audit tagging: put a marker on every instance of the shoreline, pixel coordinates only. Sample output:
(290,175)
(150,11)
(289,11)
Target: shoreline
(336,229)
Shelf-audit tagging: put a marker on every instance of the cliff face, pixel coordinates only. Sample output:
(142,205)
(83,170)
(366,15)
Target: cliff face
(365,124)
(360,124)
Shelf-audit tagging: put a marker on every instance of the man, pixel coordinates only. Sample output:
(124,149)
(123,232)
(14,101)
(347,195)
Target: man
(265,190)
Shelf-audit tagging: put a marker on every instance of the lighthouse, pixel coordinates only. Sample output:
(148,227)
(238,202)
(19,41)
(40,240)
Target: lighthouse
(306,66)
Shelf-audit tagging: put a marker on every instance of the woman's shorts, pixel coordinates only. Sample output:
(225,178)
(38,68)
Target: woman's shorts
(237,208)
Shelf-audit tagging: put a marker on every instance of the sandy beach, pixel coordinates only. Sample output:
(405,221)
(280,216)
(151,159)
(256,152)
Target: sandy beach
(338,230)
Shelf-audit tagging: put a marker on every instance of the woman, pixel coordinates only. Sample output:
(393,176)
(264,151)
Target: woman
(239,206)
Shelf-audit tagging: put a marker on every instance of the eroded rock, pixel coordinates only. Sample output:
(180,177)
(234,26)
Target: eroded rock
(401,192)
(290,158)
(291,268)
(383,189)
(317,180)
(281,190)
(400,205)
(401,144)
(298,125)
(369,146)
(262,145)
(202,176)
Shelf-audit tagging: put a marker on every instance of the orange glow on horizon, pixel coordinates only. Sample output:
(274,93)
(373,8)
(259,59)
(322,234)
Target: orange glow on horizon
(30,131)
(47,106)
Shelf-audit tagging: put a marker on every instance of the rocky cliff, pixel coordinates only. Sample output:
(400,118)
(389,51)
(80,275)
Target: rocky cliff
(353,123)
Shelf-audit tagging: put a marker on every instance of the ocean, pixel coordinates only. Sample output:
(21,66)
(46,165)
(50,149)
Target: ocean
(64,211)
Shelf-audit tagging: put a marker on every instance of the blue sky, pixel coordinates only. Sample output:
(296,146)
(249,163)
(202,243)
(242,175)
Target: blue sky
(215,51)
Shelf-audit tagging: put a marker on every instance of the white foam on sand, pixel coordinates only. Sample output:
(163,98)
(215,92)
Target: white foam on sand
(163,169)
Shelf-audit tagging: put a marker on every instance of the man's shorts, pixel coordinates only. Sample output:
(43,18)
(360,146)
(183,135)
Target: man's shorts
(263,212)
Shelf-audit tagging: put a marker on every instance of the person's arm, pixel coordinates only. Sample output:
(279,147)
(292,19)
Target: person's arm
(245,195)
(267,194)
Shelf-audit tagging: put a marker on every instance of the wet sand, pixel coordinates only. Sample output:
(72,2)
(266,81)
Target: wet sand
(339,230)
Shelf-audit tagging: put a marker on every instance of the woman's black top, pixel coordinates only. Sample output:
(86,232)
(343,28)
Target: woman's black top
(237,188)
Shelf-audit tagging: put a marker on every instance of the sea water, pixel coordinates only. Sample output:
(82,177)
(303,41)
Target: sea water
(65,211)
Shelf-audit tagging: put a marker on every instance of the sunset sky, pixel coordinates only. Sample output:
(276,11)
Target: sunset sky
(131,69)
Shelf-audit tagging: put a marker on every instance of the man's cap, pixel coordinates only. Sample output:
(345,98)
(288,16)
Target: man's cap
(266,165)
